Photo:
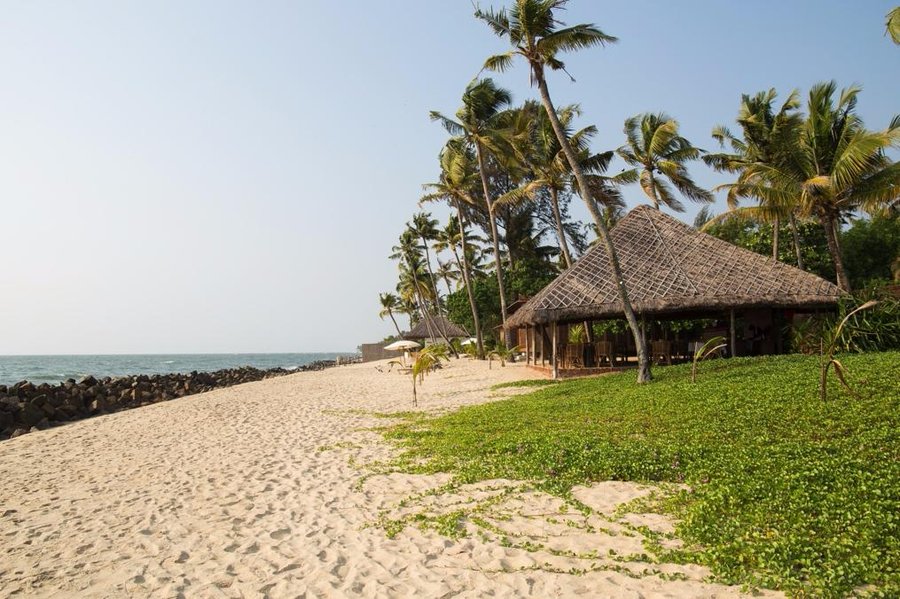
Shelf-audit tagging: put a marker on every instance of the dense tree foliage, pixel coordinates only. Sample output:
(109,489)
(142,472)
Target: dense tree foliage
(810,185)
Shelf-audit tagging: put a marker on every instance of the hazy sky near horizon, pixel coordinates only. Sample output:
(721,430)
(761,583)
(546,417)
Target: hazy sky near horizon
(211,176)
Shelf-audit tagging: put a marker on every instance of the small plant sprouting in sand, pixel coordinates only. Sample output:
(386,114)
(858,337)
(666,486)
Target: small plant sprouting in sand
(428,360)
(709,348)
(502,353)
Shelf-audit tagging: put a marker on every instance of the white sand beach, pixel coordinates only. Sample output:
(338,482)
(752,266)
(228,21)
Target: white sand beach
(254,491)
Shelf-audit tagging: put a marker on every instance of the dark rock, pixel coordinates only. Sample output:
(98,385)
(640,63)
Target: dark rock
(34,408)
(30,414)
(24,389)
(18,433)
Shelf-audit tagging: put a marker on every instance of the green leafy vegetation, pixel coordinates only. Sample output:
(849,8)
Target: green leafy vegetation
(526,383)
(779,490)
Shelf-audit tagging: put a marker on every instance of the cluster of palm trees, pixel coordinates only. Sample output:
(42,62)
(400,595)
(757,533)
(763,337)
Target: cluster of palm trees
(511,170)
(823,165)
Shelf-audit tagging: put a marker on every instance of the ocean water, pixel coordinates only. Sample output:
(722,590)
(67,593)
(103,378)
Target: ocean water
(53,369)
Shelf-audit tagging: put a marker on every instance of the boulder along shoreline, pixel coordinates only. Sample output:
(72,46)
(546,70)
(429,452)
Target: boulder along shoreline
(26,407)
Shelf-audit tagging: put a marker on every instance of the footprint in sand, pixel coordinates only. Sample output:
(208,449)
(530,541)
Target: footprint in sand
(280,533)
(252,548)
(182,557)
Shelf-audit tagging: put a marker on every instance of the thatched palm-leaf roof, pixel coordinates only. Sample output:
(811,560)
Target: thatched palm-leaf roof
(438,324)
(671,268)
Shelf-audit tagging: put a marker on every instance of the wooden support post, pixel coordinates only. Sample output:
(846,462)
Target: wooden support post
(534,346)
(543,344)
(527,347)
(553,332)
(733,335)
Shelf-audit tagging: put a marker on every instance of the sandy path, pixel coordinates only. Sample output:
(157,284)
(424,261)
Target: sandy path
(252,491)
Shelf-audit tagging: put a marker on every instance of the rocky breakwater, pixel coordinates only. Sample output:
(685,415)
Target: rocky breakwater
(26,407)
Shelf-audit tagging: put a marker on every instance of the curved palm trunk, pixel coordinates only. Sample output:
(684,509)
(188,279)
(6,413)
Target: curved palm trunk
(464,268)
(776,237)
(796,238)
(394,320)
(560,231)
(494,238)
(564,247)
(644,374)
(654,197)
(437,296)
(828,223)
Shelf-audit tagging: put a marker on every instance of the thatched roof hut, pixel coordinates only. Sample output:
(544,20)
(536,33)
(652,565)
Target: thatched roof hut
(434,328)
(672,269)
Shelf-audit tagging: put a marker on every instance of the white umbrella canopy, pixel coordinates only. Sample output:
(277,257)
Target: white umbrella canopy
(402,344)
(469,341)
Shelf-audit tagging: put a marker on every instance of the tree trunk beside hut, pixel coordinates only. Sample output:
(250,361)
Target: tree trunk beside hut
(644,374)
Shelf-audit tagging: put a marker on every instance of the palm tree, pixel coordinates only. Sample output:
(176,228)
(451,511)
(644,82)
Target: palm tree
(768,137)
(411,271)
(389,304)
(457,180)
(655,146)
(550,170)
(836,168)
(446,272)
(426,228)
(476,121)
(409,285)
(534,35)
(408,307)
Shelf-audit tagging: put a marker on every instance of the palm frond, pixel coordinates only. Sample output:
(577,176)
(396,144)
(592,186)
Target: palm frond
(499,62)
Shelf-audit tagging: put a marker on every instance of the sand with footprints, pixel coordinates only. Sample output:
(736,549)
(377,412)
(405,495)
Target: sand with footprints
(267,490)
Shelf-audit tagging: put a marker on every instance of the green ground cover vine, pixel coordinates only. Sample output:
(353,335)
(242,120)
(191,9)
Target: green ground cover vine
(780,489)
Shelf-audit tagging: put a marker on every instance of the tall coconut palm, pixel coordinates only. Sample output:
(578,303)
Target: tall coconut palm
(654,146)
(411,270)
(457,181)
(550,170)
(446,272)
(426,228)
(836,168)
(535,34)
(390,303)
(769,137)
(477,121)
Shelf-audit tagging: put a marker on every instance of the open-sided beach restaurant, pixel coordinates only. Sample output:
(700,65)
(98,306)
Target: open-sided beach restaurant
(672,272)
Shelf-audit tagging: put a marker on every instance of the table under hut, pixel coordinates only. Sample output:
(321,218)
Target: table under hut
(685,286)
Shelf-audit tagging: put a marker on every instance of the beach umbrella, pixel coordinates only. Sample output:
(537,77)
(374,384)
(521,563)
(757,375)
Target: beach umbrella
(469,341)
(402,344)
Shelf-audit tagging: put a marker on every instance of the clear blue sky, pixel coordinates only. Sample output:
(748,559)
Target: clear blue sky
(213,176)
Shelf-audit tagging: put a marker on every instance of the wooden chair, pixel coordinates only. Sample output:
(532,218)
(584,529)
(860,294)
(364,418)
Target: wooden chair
(605,349)
(574,356)
(661,350)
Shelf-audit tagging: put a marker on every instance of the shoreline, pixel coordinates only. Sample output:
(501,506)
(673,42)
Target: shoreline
(26,407)
(274,489)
